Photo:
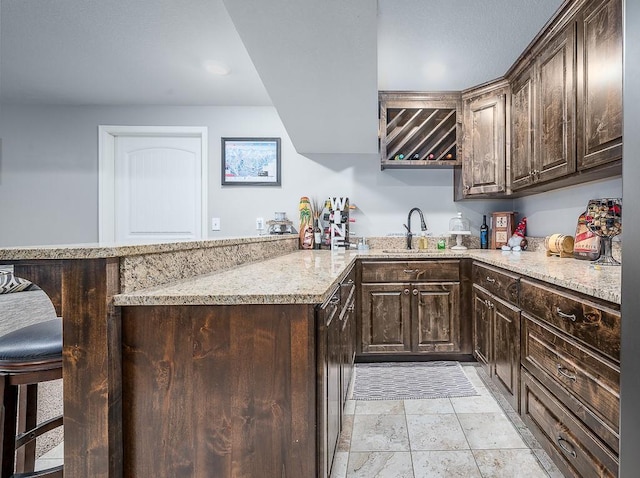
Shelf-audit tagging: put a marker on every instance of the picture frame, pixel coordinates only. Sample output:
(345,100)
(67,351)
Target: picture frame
(251,162)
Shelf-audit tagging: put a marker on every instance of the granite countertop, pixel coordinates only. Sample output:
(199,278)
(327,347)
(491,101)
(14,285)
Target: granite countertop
(304,277)
(98,250)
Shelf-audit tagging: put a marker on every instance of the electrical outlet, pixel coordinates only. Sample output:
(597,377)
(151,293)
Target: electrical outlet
(215,223)
(260,223)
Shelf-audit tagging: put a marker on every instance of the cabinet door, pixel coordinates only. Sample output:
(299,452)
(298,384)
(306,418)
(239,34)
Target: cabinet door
(555,153)
(435,317)
(481,328)
(599,89)
(334,399)
(506,350)
(348,344)
(385,315)
(483,155)
(522,121)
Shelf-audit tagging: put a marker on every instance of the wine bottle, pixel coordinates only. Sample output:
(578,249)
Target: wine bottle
(317,235)
(484,234)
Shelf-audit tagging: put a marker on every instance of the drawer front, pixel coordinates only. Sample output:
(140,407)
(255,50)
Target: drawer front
(562,435)
(593,380)
(592,323)
(411,271)
(496,281)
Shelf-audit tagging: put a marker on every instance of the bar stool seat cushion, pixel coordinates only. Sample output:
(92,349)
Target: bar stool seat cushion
(40,342)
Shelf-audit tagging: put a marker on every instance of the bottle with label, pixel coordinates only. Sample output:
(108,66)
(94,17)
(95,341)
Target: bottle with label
(484,234)
(317,234)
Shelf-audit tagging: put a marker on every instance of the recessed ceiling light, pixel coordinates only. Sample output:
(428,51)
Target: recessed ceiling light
(217,68)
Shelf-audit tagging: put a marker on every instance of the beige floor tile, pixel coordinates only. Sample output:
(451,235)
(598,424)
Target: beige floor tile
(480,404)
(436,432)
(508,464)
(490,431)
(350,407)
(379,433)
(433,405)
(380,465)
(445,464)
(379,407)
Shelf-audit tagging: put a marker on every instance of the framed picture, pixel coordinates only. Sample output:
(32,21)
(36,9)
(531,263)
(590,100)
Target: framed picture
(251,161)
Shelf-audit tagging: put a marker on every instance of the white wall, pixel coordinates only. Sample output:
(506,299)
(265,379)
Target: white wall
(49,178)
(558,211)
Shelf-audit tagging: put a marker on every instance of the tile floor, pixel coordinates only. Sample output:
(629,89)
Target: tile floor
(471,437)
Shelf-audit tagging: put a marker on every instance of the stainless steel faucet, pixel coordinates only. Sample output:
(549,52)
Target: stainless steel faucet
(423,225)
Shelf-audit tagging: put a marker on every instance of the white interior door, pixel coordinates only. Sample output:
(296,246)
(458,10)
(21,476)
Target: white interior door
(157,188)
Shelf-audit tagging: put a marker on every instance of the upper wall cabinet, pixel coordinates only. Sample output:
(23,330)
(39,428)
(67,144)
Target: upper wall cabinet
(419,130)
(484,151)
(542,115)
(599,89)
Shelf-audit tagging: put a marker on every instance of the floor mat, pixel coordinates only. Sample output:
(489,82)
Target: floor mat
(411,380)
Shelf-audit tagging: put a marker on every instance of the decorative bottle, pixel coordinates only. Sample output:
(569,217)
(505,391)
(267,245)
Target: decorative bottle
(484,234)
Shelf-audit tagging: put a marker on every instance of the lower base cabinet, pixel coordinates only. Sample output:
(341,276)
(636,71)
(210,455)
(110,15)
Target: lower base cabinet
(496,342)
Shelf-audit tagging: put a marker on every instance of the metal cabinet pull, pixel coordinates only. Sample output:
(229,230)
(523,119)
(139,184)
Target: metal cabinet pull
(571,317)
(566,446)
(415,291)
(335,299)
(406,292)
(409,271)
(350,282)
(490,280)
(564,372)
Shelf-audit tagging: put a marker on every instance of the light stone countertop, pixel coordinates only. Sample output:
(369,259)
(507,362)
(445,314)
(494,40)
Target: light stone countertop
(98,250)
(308,277)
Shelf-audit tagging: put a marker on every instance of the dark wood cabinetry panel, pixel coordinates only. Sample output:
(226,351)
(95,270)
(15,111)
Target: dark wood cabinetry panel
(573,447)
(599,89)
(505,362)
(385,317)
(555,128)
(592,322)
(221,391)
(484,151)
(522,130)
(482,328)
(499,282)
(436,317)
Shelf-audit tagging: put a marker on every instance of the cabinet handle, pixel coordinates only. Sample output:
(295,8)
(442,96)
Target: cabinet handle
(490,280)
(571,317)
(351,308)
(467,187)
(409,271)
(406,292)
(566,446)
(350,282)
(415,291)
(564,372)
(335,300)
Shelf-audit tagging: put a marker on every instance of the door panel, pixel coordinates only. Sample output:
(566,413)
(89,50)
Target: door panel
(436,318)
(385,318)
(157,188)
(506,349)
(481,328)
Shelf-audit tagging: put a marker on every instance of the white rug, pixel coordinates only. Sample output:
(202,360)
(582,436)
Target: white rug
(411,380)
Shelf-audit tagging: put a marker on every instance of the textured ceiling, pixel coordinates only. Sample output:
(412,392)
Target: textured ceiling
(152,52)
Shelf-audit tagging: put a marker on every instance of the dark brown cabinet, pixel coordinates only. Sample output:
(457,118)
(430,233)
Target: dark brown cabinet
(522,128)
(599,89)
(336,353)
(496,326)
(484,151)
(571,377)
(420,315)
(542,114)
(419,129)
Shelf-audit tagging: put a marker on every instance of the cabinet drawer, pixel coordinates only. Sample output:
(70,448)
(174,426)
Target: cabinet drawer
(496,281)
(593,380)
(562,435)
(591,322)
(411,271)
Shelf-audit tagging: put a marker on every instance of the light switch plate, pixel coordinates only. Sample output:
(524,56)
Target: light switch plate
(215,223)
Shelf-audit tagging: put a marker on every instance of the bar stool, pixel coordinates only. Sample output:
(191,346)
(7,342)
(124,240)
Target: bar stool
(28,356)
